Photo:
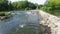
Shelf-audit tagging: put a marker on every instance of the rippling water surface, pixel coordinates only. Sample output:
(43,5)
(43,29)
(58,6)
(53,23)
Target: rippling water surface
(22,22)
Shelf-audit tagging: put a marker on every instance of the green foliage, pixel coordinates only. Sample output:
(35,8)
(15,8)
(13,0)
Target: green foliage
(40,6)
(5,5)
(52,5)
(23,5)
(20,5)
(2,14)
(54,2)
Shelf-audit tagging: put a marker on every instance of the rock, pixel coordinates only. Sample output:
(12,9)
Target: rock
(3,17)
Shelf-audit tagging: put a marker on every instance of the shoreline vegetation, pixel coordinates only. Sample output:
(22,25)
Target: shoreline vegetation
(5,15)
(7,6)
(49,6)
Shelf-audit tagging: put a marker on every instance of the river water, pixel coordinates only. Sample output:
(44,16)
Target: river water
(22,22)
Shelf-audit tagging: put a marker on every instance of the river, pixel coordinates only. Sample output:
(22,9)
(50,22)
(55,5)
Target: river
(22,22)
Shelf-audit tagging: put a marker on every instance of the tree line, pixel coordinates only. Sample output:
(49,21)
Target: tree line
(5,5)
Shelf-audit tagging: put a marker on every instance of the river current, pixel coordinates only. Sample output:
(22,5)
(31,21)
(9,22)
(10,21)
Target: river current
(22,22)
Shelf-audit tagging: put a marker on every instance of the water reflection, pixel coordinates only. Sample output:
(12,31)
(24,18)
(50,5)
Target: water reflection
(21,23)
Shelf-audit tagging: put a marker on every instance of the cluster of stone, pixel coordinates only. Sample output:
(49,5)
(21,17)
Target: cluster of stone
(50,21)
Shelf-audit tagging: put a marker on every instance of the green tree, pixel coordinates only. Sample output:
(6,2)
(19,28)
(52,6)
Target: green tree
(52,5)
(3,5)
(55,4)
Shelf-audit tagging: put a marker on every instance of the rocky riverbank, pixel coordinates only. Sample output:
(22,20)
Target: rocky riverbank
(50,23)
